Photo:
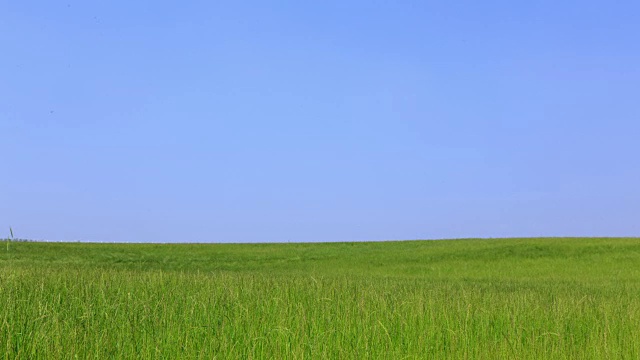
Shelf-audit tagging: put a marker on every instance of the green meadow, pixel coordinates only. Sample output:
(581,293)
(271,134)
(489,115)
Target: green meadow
(548,298)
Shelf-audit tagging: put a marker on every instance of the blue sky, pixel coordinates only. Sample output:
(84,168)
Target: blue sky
(319,121)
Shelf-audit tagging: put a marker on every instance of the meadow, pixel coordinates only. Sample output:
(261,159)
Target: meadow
(547,298)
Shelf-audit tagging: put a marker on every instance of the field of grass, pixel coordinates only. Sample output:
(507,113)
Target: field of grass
(477,299)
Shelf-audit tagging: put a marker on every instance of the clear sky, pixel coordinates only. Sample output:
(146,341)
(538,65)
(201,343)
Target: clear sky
(215,121)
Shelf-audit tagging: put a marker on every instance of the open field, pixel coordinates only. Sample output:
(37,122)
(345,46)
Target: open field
(478,299)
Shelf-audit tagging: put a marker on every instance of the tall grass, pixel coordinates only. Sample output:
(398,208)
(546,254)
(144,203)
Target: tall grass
(524,299)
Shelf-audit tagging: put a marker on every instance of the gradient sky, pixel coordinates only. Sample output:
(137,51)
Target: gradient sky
(215,121)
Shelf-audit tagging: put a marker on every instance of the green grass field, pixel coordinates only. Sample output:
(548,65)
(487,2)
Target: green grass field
(476,299)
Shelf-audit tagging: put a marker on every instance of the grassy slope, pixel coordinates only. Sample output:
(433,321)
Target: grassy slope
(510,298)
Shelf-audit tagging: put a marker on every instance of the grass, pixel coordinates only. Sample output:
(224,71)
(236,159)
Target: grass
(509,298)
